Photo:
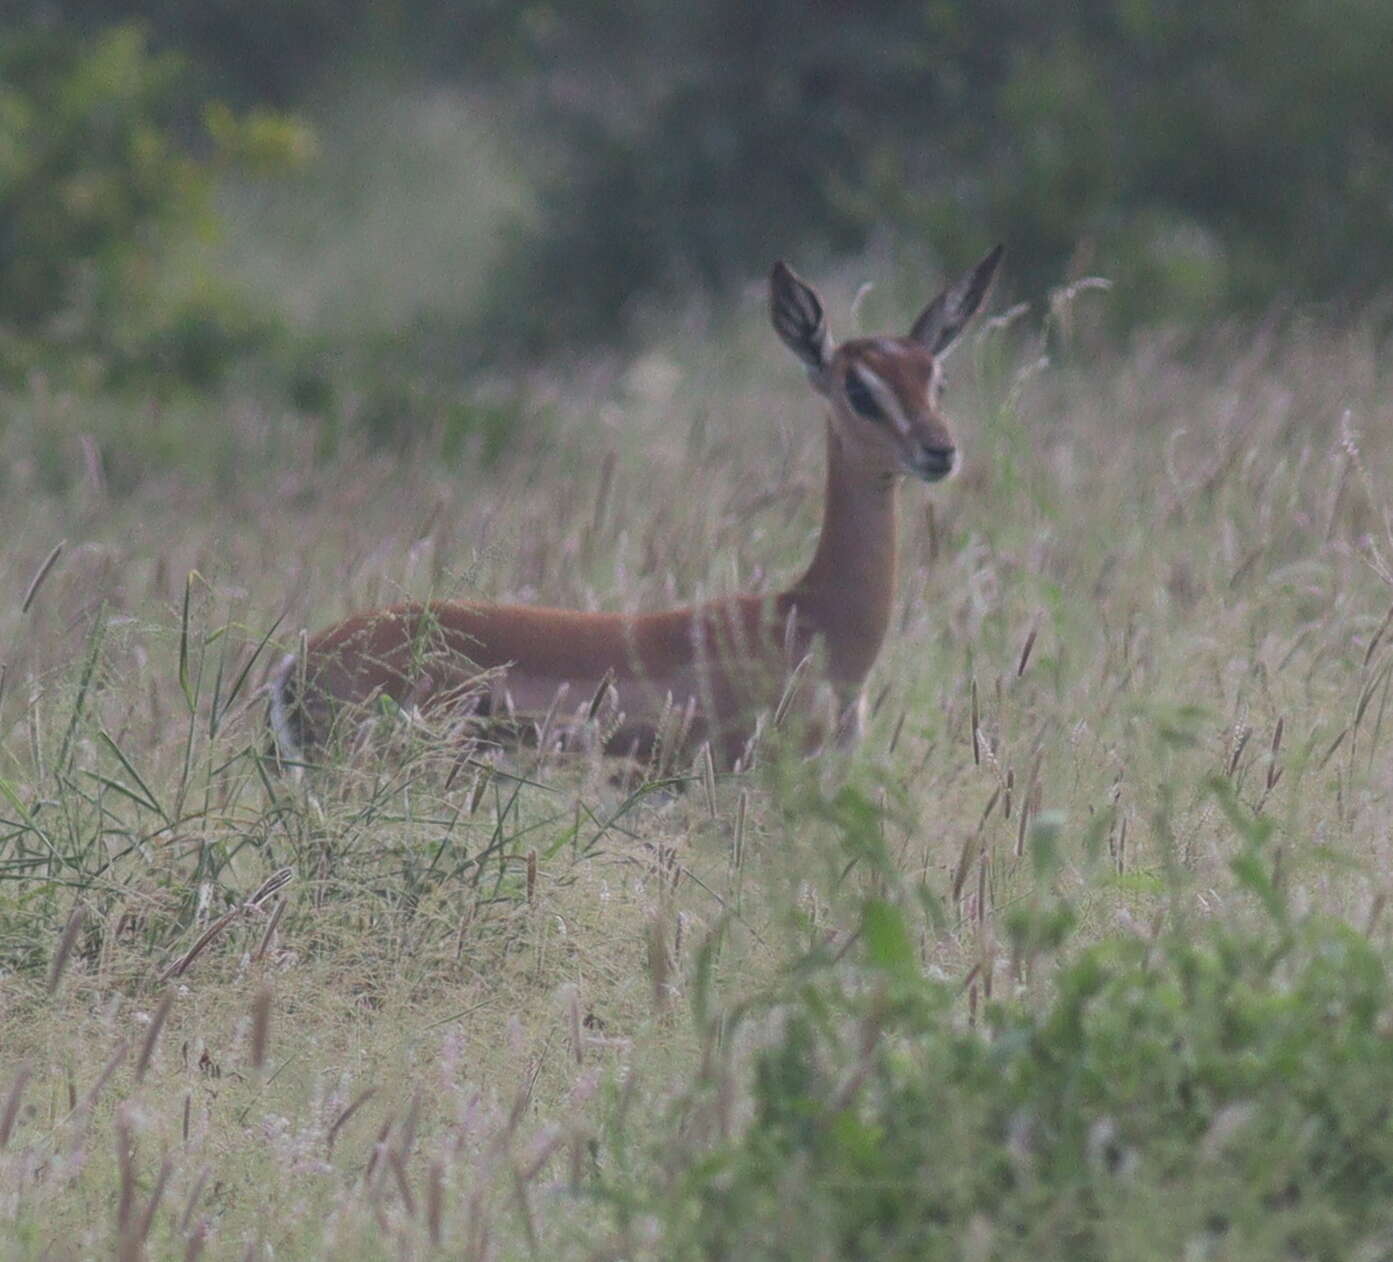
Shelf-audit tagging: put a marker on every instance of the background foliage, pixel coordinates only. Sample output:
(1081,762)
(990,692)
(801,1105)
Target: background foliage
(102,170)
(1224,155)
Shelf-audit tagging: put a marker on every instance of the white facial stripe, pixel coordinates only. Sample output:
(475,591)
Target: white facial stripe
(935,383)
(888,401)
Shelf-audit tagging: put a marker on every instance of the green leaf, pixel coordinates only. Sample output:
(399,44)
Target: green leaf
(1043,843)
(888,943)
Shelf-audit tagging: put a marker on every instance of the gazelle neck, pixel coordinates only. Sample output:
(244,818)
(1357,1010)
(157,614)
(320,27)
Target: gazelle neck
(849,588)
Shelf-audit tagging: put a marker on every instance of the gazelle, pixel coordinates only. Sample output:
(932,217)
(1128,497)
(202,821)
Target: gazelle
(705,672)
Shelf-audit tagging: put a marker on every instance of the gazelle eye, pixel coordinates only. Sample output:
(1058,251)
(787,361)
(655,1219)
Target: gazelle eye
(859,396)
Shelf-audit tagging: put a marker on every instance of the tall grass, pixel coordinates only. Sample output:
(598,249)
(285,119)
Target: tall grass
(1135,699)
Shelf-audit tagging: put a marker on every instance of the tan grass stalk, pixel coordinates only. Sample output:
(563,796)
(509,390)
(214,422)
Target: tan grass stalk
(1029,644)
(477,1236)
(991,806)
(40,574)
(65,946)
(406,1141)
(573,1015)
(84,1109)
(481,783)
(379,1147)
(597,516)
(1239,746)
(197,1238)
(272,885)
(1376,907)
(545,1150)
(147,1048)
(795,680)
(976,729)
(1333,746)
(125,1203)
(737,842)
(270,933)
(895,735)
(261,1026)
(1377,637)
(706,768)
(342,1119)
(147,1218)
(177,968)
(435,1203)
(186,1218)
(529,1222)
(398,1166)
(577,1160)
(1368,695)
(548,723)
(659,960)
(601,692)
(12,1101)
(971,846)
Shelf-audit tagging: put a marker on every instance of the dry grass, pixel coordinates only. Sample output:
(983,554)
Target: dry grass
(1161,564)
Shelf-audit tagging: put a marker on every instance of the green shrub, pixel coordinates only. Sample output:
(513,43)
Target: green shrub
(97,184)
(90,173)
(1217,1091)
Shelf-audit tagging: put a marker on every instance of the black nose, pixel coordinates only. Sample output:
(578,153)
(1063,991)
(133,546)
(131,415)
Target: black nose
(934,462)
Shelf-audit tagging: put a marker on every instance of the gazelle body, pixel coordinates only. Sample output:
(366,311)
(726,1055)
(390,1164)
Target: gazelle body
(705,672)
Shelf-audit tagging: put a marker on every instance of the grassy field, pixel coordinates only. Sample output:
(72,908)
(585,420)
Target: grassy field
(1140,672)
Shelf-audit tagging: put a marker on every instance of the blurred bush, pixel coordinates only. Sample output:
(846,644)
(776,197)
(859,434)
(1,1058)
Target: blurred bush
(1221,154)
(1217,1096)
(1226,153)
(279,51)
(101,173)
(1214,1088)
(89,174)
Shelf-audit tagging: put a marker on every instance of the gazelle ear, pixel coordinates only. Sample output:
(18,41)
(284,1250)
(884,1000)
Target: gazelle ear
(943,319)
(797,317)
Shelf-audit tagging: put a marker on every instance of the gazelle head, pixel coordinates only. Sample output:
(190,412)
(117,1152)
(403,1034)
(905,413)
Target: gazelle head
(884,391)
